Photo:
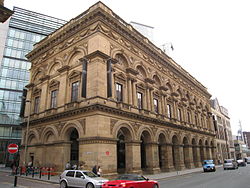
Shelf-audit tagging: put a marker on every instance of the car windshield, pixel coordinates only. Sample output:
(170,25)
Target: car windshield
(90,174)
(228,161)
(209,162)
(131,177)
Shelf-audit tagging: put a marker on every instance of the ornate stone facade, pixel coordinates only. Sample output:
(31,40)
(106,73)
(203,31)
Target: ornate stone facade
(120,101)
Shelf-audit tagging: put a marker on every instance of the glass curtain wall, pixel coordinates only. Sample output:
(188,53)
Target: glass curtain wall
(25,29)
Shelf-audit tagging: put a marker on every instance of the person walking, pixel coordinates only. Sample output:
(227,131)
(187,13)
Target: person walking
(99,171)
(68,166)
(94,169)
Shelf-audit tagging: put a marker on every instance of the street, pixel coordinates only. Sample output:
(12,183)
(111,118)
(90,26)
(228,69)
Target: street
(238,178)
(7,181)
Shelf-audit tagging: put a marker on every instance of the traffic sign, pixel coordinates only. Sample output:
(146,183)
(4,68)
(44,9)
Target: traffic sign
(12,148)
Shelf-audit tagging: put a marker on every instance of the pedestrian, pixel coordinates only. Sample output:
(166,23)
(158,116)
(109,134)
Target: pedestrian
(99,171)
(94,169)
(68,166)
(13,167)
(74,167)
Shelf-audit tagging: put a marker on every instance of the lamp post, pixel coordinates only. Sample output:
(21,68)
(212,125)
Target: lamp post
(27,132)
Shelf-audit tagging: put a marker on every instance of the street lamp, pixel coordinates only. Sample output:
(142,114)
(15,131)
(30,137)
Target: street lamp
(27,131)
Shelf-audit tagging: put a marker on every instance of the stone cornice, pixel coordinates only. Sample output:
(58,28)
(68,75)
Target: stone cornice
(115,111)
(105,15)
(97,139)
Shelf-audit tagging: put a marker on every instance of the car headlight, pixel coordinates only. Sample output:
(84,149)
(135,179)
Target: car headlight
(122,185)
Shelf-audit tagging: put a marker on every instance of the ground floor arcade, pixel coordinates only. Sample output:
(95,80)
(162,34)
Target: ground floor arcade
(118,146)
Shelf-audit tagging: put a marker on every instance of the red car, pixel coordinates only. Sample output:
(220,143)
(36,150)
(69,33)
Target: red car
(131,181)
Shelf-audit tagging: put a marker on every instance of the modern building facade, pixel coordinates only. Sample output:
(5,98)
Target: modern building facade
(224,139)
(102,93)
(18,35)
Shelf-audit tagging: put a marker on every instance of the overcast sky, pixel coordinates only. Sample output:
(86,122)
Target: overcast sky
(211,40)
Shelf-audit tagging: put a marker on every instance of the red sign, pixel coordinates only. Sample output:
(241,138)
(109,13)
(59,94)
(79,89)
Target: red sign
(107,153)
(12,148)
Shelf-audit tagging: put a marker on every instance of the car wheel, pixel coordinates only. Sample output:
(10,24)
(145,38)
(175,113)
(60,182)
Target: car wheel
(155,186)
(90,185)
(224,168)
(63,184)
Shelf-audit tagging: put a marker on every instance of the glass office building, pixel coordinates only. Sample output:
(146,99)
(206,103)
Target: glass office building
(19,34)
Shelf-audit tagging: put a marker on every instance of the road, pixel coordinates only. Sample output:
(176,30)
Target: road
(220,179)
(238,178)
(7,181)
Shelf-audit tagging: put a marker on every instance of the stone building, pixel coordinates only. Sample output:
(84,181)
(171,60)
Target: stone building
(103,94)
(224,139)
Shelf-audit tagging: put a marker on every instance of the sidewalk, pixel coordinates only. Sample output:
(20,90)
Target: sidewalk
(55,179)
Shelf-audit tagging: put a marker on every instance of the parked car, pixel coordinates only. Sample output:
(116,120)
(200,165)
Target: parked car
(131,180)
(208,165)
(247,160)
(241,162)
(230,164)
(80,178)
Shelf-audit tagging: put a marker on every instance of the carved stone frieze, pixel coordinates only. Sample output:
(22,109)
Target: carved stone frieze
(83,123)
(112,124)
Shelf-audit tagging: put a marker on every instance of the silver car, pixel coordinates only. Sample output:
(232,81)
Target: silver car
(230,164)
(80,178)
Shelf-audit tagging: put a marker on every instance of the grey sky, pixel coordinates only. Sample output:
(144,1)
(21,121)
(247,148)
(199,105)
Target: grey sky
(211,39)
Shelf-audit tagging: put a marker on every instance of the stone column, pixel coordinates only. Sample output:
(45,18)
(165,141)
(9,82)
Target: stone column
(181,165)
(188,152)
(130,93)
(133,157)
(198,156)
(134,93)
(148,103)
(202,153)
(214,154)
(152,159)
(169,158)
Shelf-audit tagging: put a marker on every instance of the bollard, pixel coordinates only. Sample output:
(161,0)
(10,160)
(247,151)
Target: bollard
(40,174)
(49,174)
(33,172)
(15,181)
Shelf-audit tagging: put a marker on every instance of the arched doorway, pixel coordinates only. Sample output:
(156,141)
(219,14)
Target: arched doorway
(195,154)
(124,150)
(121,158)
(145,138)
(161,150)
(207,154)
(74,147)
(175,152)
(202,155)
(186,153)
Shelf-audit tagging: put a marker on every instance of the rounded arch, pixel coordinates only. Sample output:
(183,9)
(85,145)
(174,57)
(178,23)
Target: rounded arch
(142,71)
(124,126)
(123,61)
(160,134)
(157,80)
(194,142)
(169,87)
(175,140)
(69,127)
(200,142)
(49,134)
(145,130)
(33,137)
(185,141)
(76,54)
(38,73)
(54,66)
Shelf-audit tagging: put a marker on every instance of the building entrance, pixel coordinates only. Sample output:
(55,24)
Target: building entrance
(74,149)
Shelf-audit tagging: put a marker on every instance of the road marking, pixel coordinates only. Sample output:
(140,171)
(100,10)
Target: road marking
(8,183)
